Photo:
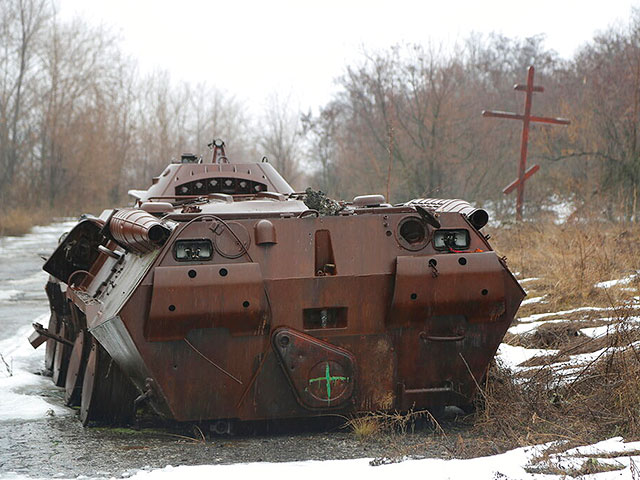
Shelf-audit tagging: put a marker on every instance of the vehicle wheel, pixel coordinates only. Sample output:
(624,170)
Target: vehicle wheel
(61,358)
(75,371)
(437,412)
(107,394)
(222,427)
(50,346)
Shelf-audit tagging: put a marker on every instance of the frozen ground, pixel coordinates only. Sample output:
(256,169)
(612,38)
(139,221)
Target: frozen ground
(41,438)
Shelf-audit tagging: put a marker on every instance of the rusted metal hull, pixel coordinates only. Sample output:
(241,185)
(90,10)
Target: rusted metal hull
(210,361)
(257,308)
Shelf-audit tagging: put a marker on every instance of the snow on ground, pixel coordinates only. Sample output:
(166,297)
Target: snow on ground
(515,464)
(531,300)
(614,444)
(538,316)
(609,328)
(593,332)
(561,208)
(531,327)
(20,388)
(527,280)
(617,282)
(511,357)
(520,463)
(39,235)
(40,278)
(9,294)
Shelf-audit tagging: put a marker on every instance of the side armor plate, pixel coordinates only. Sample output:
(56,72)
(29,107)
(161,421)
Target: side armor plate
(321,374)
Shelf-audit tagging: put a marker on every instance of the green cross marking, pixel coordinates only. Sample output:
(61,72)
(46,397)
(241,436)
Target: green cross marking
(328,378)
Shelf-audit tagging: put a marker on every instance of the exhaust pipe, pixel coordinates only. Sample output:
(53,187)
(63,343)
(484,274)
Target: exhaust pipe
(137,231)
(476,216)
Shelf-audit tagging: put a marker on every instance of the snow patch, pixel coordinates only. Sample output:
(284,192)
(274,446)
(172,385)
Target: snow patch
(537,316)
(507,465)
(562,208)
(596,332)
(530,327)
(531,300)
(38,236)
(513,464)
(613,283)
(511,357)
(530,279)
(39,277)
(20,388)
(7,295)
(613,445)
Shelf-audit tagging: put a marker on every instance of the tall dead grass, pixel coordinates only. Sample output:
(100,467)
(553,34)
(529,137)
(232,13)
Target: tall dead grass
(598,400)
(18,221)
(570,259)
(555,400)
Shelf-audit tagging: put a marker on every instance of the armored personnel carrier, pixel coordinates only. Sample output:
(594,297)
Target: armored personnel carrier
(222,295)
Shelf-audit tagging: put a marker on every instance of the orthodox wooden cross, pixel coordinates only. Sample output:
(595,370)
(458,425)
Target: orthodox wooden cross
(523,173)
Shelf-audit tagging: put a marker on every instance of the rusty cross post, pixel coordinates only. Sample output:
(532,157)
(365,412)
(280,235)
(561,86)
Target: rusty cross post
(527,118)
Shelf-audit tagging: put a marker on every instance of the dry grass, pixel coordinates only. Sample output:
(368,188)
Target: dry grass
(373,424)
(365,427)
(595,401)
(570,259)
(18,221)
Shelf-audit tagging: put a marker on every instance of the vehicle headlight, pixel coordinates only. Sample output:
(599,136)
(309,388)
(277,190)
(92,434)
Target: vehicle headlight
(193,250)
(451,239)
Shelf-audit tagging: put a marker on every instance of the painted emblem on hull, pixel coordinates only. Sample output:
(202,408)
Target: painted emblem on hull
(327,381)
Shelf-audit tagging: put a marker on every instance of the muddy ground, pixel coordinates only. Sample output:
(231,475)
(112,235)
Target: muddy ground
(61,447)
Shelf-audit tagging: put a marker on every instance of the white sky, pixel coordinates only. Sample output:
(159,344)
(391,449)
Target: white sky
(255,48)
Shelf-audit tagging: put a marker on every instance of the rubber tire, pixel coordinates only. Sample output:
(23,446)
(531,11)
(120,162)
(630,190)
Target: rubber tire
(75,370)
(61,359)
(50,345)
(107,393)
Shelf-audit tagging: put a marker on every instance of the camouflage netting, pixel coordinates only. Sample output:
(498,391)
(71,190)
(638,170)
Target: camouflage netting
(317,200)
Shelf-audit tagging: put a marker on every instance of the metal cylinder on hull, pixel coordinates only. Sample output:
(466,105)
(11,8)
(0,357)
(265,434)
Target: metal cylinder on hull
(138,231)
(477,216)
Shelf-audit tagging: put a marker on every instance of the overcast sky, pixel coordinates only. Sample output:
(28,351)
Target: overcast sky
(254,48)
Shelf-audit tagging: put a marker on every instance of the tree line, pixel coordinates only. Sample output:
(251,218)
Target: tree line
(407,121)
(79,125)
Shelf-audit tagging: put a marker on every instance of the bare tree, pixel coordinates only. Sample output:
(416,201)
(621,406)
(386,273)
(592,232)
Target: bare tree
(21,21)
(279,136)
(321,133)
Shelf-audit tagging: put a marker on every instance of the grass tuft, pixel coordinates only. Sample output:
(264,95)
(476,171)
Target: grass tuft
(365,427)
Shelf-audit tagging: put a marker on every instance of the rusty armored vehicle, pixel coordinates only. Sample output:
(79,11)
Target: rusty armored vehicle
(222,294)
